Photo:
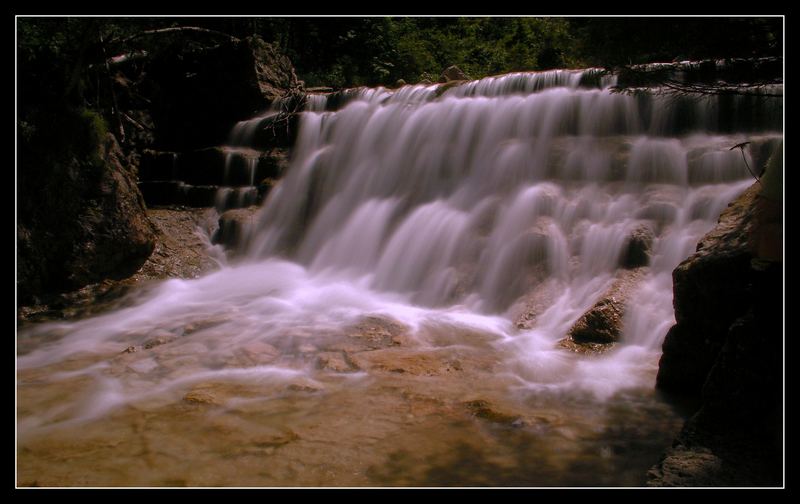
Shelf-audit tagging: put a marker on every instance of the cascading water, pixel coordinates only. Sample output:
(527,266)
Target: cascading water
(437,217)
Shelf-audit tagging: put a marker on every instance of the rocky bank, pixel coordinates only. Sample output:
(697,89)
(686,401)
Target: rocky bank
(725,351)
(82,217)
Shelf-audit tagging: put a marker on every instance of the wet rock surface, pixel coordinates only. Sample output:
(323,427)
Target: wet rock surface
(602,323)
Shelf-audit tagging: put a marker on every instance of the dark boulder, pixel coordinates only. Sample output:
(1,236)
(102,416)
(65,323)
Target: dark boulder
(83,223)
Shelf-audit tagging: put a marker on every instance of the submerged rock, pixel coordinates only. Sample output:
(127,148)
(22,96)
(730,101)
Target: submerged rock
(586,347)
(200,396)
(526,311)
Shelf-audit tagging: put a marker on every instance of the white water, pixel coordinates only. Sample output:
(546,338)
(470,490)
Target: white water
(439,210)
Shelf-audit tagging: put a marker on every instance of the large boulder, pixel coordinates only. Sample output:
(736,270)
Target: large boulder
(82,222)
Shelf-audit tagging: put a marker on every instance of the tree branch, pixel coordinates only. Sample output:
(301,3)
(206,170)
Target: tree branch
(179,29)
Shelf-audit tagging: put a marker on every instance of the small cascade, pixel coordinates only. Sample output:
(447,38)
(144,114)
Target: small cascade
(236,175)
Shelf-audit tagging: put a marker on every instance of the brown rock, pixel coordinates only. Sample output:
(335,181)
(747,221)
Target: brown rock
(586,347)
(200,397)
(452,73)
(159,340)
(374,332)
(725,351)
(602,323)
(335,361)
(534,303)
(259,352)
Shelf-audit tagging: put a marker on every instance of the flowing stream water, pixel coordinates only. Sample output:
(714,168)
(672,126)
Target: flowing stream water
(395,312)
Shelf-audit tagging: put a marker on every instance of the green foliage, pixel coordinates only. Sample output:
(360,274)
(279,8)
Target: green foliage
(342,52)
(372,51)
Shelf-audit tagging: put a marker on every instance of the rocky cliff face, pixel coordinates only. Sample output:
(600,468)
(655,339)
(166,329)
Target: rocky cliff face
(726,350)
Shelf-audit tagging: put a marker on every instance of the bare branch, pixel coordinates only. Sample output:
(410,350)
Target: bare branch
(179,29)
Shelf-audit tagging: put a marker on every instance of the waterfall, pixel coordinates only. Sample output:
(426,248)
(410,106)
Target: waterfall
(479,193)
(447,206)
